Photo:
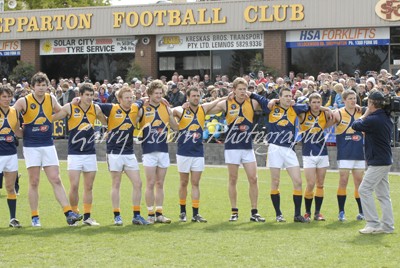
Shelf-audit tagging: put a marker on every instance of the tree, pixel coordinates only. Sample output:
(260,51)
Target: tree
(372,58)
(48,4)
(134,71)
(241,62)
(22,70)
(257,64)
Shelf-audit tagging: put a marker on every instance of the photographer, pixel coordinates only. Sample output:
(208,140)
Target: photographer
(377,126)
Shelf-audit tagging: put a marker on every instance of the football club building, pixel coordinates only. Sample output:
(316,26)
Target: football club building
(204,37)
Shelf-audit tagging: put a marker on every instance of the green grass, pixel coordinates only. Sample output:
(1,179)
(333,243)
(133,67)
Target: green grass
(217,243)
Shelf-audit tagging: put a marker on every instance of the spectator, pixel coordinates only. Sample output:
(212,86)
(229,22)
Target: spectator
(96,98)
(362,93)
(175,96)
(261,78)
(103,95)
(138,94)
(338,103)
(310,89)
(297,96)
(163,78)
(291,77)
(370,84)
(68,92)
(112,98)
(207,81)
(326,95)
(59,96)
(272,92)
(261,90)
(213,95)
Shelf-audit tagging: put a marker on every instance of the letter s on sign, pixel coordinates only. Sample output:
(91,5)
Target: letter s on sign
(388,10)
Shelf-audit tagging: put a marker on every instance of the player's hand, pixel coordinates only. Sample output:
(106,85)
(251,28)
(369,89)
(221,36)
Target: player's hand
(329,114)
(146,101)
(248,93)
(76,101)
(169,111)
(185,105)
(272,103)
(366,113)
(358,108)
(165,102)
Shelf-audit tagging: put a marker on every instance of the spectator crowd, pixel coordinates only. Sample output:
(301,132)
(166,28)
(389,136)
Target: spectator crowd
(329,85)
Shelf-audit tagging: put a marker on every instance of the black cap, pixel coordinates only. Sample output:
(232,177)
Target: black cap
(174,86)
(376,95)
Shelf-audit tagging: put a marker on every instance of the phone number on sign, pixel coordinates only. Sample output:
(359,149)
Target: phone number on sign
(248,44)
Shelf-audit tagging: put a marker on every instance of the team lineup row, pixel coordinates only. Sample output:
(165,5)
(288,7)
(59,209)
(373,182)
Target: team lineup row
(40,109)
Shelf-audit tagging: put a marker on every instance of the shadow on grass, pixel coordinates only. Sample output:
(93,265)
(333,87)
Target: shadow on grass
(160,228)
(96,230)
(380,240)
(258,226)
(346,224)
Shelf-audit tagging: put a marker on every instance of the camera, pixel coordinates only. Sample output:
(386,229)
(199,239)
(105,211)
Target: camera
(391,104)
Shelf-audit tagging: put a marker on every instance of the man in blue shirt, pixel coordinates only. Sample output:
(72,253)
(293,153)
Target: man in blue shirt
(377,126)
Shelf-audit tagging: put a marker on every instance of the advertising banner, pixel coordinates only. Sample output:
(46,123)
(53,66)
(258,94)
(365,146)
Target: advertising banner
(10,48)
(338,37)
(210,41)
(87,46)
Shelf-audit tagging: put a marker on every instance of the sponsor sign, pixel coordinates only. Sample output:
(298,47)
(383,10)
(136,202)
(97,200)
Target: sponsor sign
(10,48)
(388,10)
(338,37)
(88,46)
(212,41)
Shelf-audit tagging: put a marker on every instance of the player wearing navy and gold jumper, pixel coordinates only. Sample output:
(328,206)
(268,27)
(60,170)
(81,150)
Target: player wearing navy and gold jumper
(38,127)
(39,151)
(281,139)
(238,146)
(121,121)
(155,120)
(81,148)
(315,154)
(350,152)
(190,154)
(9,128)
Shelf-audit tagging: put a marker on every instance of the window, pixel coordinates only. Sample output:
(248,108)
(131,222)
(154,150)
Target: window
(97,66)
(167,63)
(217,62)
(313,60)
(196,62)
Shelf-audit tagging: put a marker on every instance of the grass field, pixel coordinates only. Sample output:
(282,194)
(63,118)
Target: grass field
(217,243)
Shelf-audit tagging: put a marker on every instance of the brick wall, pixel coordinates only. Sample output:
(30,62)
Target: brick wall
(146,56)
(30,52)
(275,51)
